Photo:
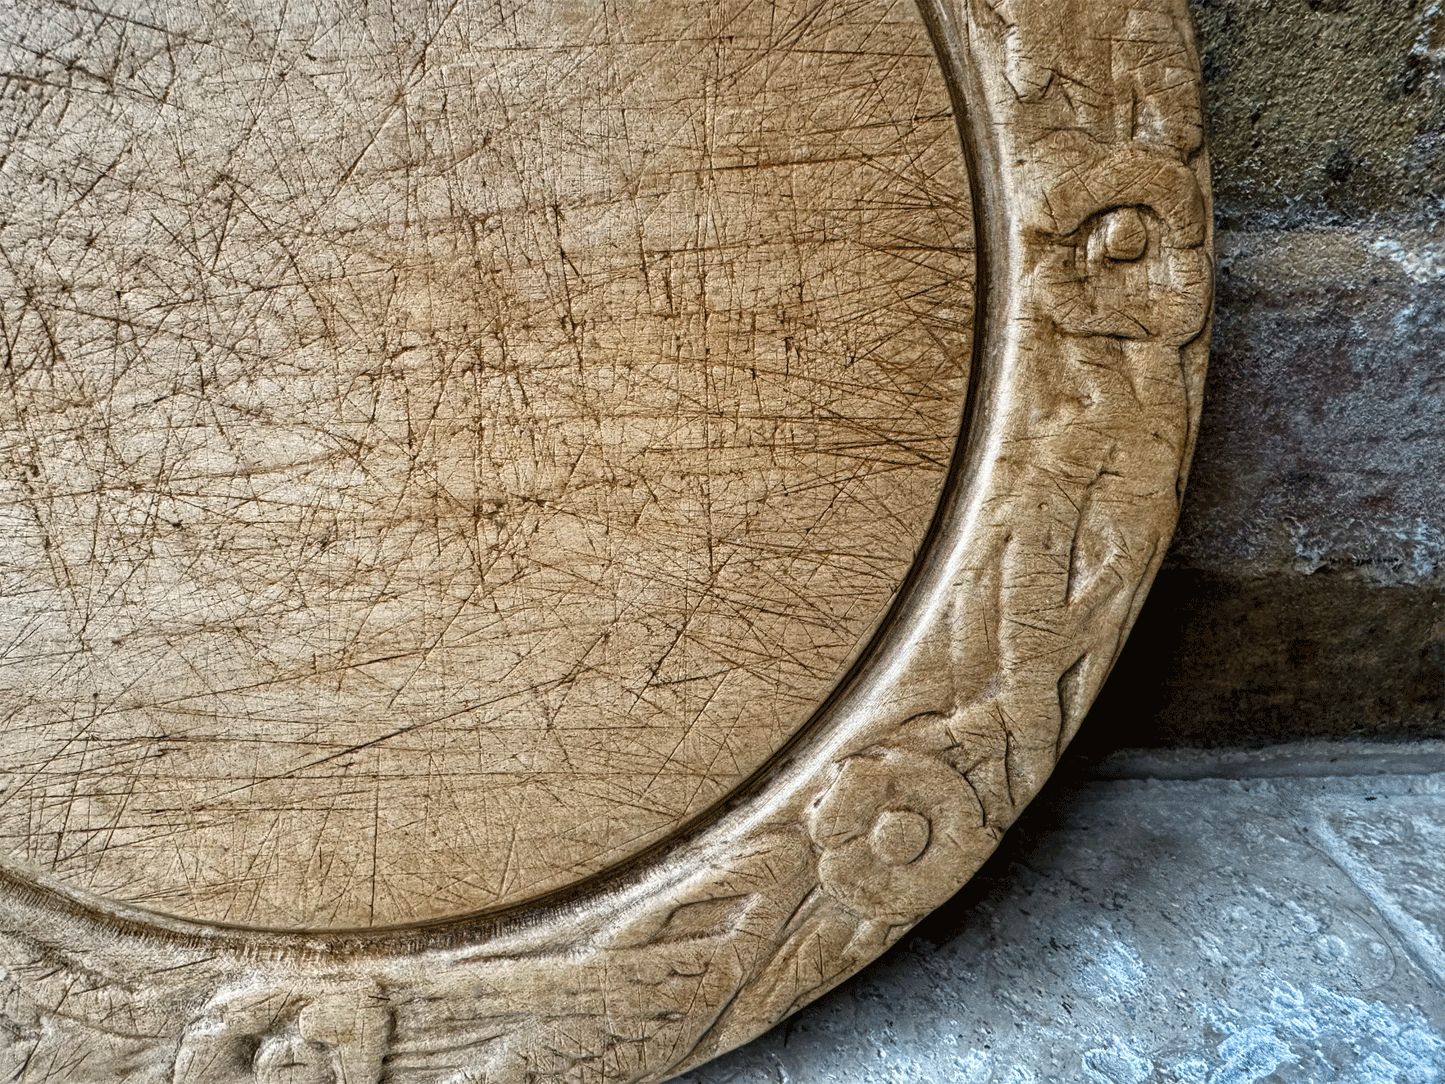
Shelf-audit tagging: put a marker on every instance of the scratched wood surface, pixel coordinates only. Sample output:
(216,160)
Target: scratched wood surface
(444,447)
(537,537)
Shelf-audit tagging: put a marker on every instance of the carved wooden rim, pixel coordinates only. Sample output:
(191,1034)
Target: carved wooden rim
(1082,128)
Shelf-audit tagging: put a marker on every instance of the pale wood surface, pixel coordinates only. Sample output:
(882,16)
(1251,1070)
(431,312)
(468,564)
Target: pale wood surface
(444,448)
(287,386)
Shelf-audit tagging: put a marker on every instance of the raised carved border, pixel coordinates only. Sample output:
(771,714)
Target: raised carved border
(1083,129)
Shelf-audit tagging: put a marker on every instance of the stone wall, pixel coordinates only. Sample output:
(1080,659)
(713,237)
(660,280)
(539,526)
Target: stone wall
(1305,592)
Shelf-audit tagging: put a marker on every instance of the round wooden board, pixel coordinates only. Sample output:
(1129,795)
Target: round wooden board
(540,537)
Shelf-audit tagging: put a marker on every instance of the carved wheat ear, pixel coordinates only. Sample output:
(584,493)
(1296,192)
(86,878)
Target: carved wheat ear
(537,541)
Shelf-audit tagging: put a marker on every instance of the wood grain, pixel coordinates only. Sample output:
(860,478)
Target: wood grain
(445,449)
(1083,344)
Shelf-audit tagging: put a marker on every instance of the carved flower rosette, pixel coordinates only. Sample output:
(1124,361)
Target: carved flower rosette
(1081,124)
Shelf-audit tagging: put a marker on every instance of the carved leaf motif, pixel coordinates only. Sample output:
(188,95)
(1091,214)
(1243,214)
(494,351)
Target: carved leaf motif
(272,1034)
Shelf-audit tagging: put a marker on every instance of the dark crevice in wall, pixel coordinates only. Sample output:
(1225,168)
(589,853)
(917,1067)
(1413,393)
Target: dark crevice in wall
(1227,660)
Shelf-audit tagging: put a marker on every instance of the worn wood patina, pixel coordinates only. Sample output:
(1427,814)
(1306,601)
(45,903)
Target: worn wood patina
(539,538)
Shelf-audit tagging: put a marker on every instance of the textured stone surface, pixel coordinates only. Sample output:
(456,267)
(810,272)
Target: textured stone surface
(1323,434)
(1303,594)
(1179,930)
(1323,111)
(1305,590)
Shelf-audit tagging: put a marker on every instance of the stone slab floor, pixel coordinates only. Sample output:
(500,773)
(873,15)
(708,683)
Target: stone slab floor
(1181,918)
